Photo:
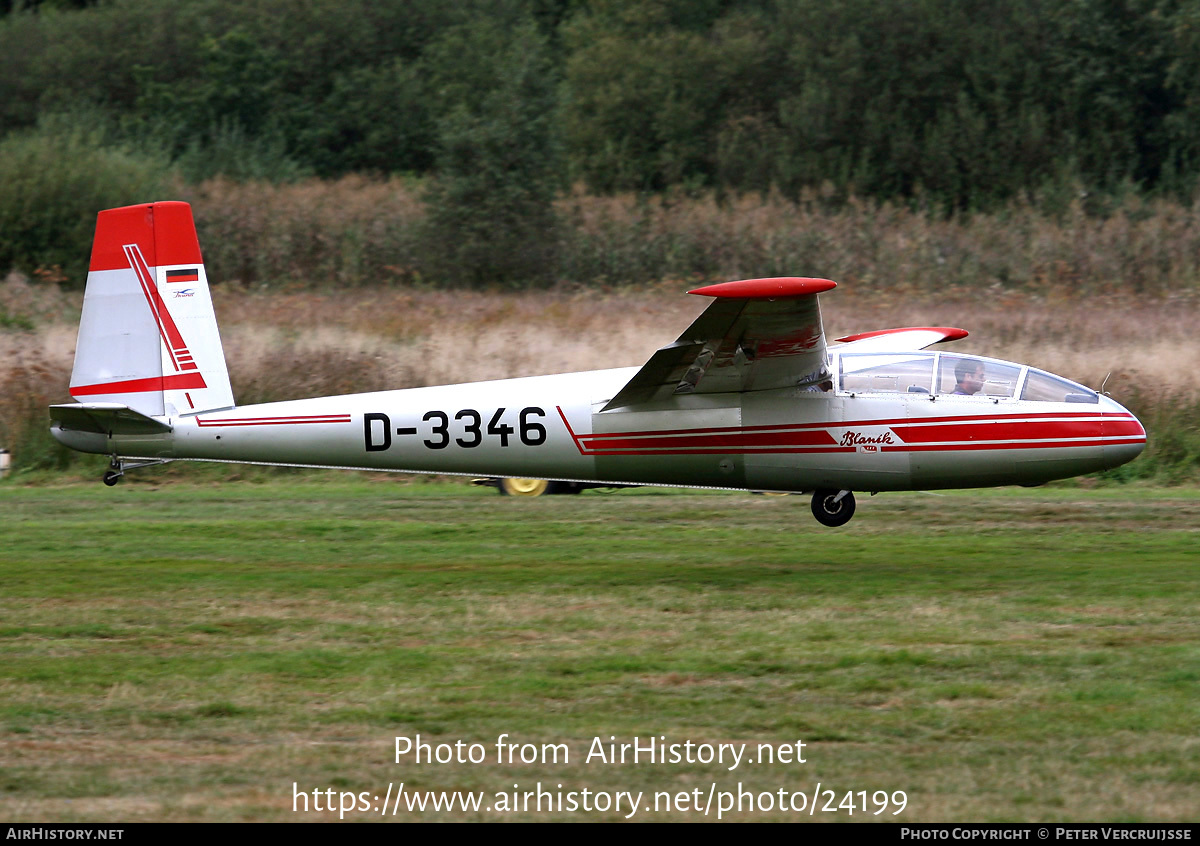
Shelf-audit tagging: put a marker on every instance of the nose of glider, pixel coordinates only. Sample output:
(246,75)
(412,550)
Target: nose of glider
(1124,434)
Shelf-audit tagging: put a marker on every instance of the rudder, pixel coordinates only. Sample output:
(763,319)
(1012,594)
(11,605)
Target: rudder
(148,335)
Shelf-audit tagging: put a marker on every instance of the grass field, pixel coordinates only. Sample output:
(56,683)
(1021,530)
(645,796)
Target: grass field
(189,651)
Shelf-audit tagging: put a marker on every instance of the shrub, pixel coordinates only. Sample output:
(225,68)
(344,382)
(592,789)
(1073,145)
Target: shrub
(491,216)
(53,181)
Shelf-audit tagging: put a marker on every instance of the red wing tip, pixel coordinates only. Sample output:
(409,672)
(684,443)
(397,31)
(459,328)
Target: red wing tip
(949,333)
(775,287)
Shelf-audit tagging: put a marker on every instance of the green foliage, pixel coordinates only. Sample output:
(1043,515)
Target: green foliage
(491,204)
(229,150)
(375,119)
(643,98)
(53,180)
(944,105)
(964,103)
(186,70)
(959,103)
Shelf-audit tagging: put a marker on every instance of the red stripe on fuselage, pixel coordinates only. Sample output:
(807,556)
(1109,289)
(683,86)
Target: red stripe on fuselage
(570,431)
(1003,431)
(991,431)
(809,437)
(854,424)
(720,451)
(276,421)
(1027,444)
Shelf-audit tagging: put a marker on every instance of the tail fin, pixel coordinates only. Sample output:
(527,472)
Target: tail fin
(148,337)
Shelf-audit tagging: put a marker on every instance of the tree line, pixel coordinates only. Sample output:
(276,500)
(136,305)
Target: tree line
(496,109)
(961,102)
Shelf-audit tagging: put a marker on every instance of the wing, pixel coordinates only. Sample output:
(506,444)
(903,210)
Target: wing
(900,340)
(757,335)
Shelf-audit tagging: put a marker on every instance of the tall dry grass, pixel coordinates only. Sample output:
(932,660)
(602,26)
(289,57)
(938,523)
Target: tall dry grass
(1140,247)
(362,232)
(354,231)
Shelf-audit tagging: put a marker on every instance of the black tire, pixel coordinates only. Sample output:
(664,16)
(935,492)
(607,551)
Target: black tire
(830,513)
(111,477)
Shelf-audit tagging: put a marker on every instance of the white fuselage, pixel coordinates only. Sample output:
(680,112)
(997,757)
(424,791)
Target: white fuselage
(552,427)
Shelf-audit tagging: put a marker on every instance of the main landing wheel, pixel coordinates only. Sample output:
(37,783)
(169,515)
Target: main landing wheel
(833,508)
(524,487)
(111,477)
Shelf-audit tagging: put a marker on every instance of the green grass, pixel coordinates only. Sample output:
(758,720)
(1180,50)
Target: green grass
(188,651)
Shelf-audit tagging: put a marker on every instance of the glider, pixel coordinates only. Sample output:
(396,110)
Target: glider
(750,396)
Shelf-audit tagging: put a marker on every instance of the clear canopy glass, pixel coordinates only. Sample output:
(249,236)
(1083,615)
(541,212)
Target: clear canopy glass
(956,375)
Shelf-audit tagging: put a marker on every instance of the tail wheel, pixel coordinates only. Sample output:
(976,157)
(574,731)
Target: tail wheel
(524,487)
(833,508)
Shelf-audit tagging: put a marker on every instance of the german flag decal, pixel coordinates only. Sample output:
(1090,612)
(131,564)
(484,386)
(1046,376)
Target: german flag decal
(190,274)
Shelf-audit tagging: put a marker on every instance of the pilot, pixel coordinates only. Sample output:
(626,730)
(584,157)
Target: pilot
(968,376)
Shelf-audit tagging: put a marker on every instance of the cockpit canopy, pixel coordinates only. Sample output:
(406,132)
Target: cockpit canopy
(936,373)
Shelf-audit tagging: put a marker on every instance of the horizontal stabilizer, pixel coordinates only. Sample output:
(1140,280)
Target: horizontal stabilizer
(105,418)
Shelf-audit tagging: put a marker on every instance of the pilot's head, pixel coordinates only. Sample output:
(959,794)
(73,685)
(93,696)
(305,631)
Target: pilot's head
(968,376)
